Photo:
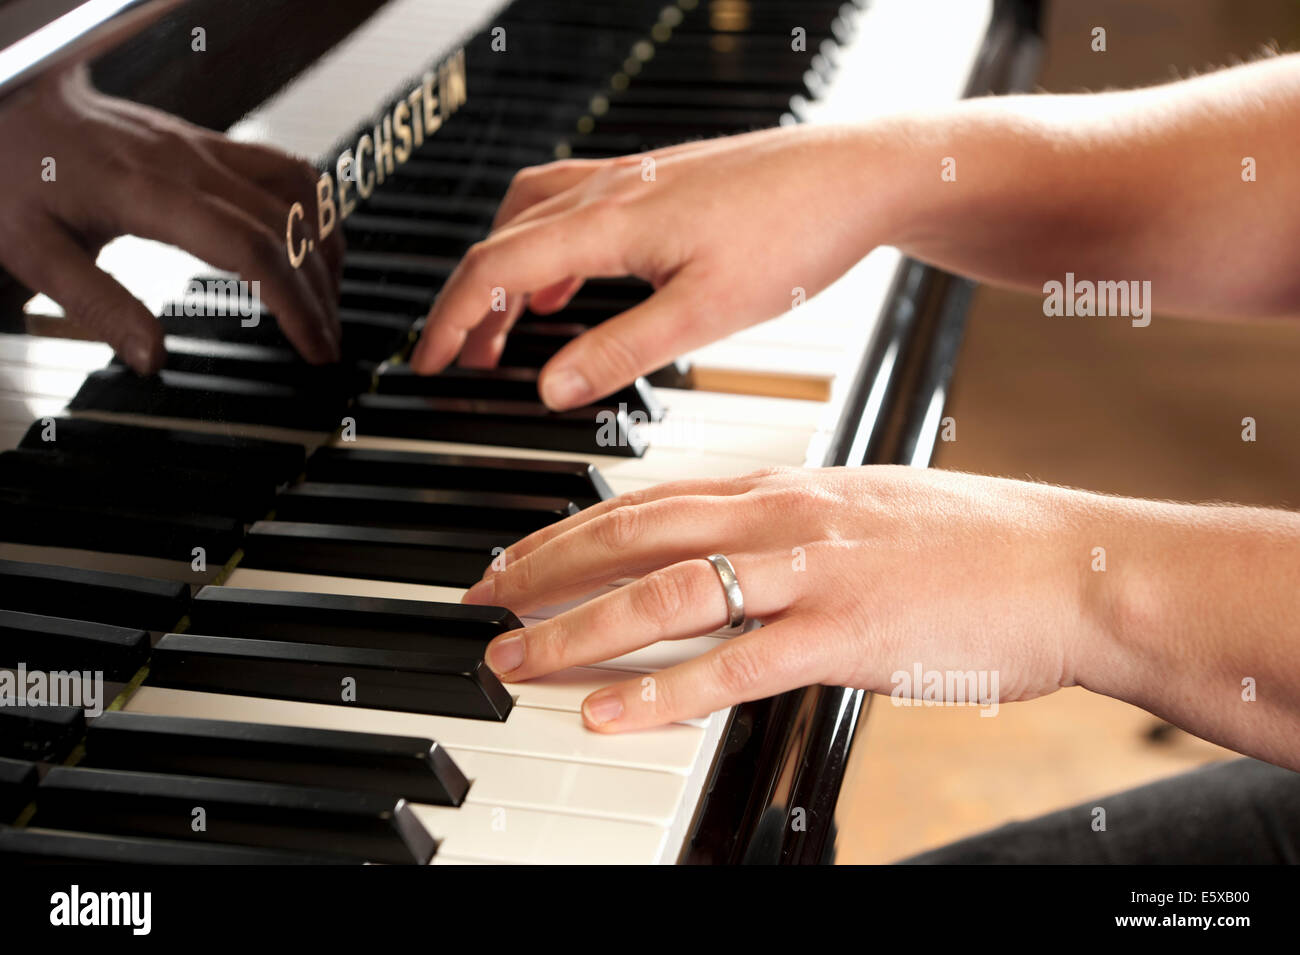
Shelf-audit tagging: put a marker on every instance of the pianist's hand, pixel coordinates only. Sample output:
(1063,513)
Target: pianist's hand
(861,575)
(120,168)
(728,231)
(856,574)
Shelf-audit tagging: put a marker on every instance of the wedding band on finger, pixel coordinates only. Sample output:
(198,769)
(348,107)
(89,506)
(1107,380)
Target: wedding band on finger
(730,590)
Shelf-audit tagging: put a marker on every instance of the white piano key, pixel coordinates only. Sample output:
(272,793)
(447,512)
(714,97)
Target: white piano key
(584,789)
(523,836)
(547,734)
(17,379)
(54,353)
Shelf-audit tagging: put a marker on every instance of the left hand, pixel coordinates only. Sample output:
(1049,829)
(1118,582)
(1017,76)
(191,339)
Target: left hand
(855,573)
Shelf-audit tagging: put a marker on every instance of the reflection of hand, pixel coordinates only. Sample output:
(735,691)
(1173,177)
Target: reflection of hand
(124,169)
(857,574)
(724,229)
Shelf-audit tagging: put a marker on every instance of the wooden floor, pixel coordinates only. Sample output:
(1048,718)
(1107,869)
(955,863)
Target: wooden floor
(1153,412)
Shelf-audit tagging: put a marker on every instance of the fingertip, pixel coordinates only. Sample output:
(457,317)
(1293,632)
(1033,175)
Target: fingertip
(565,388)
(143,353)
(603,710)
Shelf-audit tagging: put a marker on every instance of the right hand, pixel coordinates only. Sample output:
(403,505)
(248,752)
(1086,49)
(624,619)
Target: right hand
(725,230)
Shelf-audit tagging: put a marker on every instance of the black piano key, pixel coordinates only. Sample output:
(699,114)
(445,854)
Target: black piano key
(403,234)
(446,558)
(430,269)
(179,394)
(532,344)
(43,733)
(364,826)
(521,424)
(506,384)
(147,603)
(346,620)
(675,374)
(35,846)
(339,676)
(577,481)
(17,785)
(419,508)
(257,362)
(27,518)
(159,487)
(57,643)
(417,769)
(367,336)
(386,296)
(476,211)
(132,444)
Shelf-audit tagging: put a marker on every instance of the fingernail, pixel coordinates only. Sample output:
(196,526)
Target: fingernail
(565,388)
(603,708)
(480,593)
(506,654)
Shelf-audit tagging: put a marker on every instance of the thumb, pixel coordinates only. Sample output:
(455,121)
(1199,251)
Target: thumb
(672,321)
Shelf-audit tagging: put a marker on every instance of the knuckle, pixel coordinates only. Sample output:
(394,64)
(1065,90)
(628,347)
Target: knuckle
(476,257)
(736,668)
(517,579)
(617,530)
(660,597)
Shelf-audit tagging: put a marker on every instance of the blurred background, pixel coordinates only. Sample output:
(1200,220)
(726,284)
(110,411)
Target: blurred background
(1152,412)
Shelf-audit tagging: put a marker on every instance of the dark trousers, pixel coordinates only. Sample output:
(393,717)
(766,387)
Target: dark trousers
(1238,812)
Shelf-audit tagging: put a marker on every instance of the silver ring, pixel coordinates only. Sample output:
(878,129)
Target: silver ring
(730,590)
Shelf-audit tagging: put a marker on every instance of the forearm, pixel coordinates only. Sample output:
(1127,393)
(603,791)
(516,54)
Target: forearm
(1138,185)
(1197,619)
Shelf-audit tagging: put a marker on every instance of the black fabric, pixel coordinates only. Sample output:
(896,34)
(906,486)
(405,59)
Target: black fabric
(1238,812)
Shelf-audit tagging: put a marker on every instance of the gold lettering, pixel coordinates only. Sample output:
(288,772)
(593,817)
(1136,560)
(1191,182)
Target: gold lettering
(451,83)
(417,115)
(432,120)
(325,213)
(345,169)
(384,148)
(401,124)
(295,213)
(365,180)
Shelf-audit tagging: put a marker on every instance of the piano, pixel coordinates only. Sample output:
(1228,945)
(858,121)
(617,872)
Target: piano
(261,561)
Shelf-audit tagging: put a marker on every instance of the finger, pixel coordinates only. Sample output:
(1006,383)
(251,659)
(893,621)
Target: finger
(485,342)
(682,600)
(54,263)
(291,178)
(614,353)
(554,297)
(537,183)
(715,487)
(273,212)
(761,663)
(586,241)
(231,239)
(626,542)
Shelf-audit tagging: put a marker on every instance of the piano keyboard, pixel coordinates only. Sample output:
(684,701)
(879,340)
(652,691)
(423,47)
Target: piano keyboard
(322,692)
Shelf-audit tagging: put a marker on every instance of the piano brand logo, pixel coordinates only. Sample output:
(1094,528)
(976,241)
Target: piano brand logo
(81,688)
(1130,299)
(77,908)
(217,298)
(921,687)
(399,132)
